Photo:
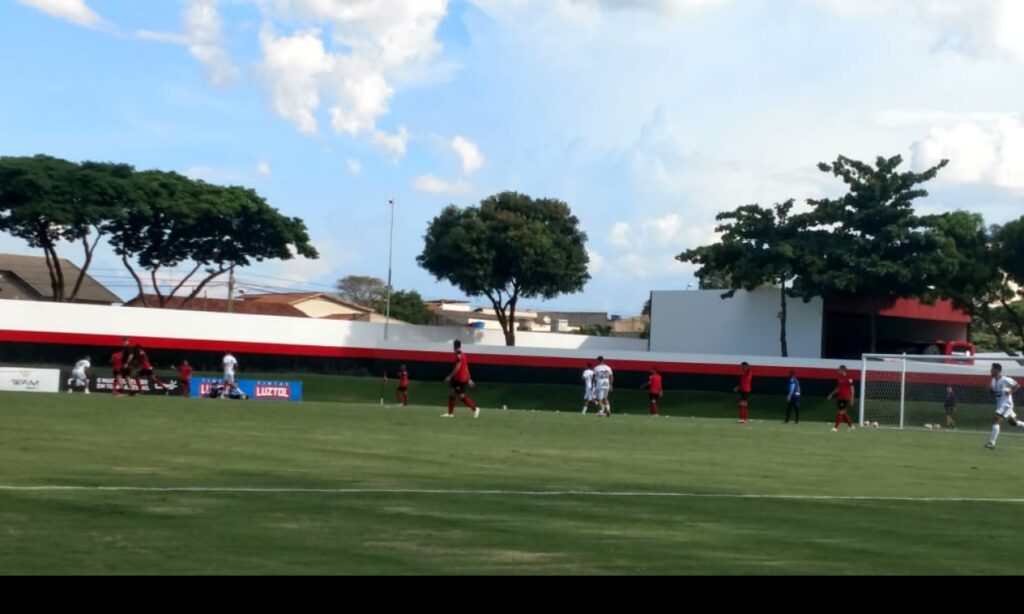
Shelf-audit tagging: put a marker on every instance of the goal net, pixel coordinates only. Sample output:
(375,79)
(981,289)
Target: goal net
(912,391)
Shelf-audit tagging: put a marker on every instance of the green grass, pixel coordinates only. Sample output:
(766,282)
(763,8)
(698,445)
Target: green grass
(172,443)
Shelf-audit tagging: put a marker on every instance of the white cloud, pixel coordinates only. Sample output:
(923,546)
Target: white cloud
(980,151)
(435,185)
(974,27)
(620,235)
(75,11)
(292,70)
(379,40)
(596,262)
(469,153)
(263,169)
(354,166)
(175,38)
(666,229)
(203,31)
(393,144)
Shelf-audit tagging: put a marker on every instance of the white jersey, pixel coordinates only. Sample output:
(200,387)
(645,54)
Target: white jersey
(588,379)
(81,366)
(1002,390)
(602,377)
(230,364)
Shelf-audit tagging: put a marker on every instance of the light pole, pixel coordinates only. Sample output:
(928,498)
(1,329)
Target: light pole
(391,245)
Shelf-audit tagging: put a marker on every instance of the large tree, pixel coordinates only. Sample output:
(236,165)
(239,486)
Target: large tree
(759,246)
(364,290)
(174,221)
(509,247)
(48,201)
(870,241)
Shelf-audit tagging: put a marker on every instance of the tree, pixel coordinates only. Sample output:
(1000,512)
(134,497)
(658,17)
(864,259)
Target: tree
(364,290)
(174,220)
(870,241)
(509,247)
(758,246)
(408,306)
(1009,253)
(47,201)
(962,249)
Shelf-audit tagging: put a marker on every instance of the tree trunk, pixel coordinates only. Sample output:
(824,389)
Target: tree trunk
(202,284)
(160,300)
(510,334)
(181,283)
(89,251)
(874,333)
(53,274)
(1018,322)
(986,317)
(138,281)
(782,322)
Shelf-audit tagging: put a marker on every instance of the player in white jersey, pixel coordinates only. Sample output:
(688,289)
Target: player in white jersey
(603,382)
(588,386)
(1003,389)
(80,375)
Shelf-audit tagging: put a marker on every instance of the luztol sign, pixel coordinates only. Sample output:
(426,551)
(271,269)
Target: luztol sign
(259,390)
(30,380)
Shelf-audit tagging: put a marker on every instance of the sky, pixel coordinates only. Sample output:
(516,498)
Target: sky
(648,117)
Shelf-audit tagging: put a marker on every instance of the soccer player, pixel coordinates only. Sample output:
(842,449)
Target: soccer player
(185,377)
(127,360)
(146,371)
(744,389)
(459,379)
(117,364)
(230,364)
(80,375)
(655,390)
(793,397)
(1003,388)
(949,405)
(844,398)
(403,386)
(604,380)
(588,387)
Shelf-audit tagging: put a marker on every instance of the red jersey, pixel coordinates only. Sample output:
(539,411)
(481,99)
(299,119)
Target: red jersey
(185,372)
(654,385)
(143,359)
(117,360)
(462,363)
(746,381)
(403,379)
(845,389)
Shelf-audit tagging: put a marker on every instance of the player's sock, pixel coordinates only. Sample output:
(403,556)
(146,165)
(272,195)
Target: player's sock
(451,406)
(654,408)
(469,403)
(839,419)
(995,434)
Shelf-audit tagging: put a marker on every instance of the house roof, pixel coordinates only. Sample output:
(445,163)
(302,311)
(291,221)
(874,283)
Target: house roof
(294,298)
(220,305)
(34,274)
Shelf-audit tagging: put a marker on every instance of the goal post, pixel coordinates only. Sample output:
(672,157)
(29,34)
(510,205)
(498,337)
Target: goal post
(913,391)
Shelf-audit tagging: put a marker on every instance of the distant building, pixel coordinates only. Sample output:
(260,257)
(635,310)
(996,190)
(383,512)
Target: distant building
(27,278)
(316,305)
(747,324)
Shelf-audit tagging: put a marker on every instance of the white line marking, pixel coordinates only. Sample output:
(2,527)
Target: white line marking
(498,493)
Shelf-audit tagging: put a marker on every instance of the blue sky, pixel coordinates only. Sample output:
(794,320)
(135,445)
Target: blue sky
(646,116)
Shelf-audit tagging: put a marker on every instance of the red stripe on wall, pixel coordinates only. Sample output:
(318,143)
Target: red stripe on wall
(476,357)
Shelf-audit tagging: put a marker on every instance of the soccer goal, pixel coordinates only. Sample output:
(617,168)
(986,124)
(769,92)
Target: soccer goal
(912,391)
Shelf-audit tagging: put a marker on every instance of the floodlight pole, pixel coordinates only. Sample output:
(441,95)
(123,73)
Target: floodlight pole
(391,247)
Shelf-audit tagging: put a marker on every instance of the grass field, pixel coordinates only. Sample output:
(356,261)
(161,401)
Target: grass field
(175,486)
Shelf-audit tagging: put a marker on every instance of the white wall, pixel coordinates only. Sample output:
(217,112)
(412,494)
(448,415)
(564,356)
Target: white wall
(701,322)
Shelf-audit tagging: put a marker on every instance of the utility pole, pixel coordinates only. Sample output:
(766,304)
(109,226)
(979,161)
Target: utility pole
(231,289)
(391,245)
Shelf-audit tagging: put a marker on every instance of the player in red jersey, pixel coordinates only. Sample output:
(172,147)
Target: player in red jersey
(146,371)
(402,393)
(844,396)
(744,389)
(117,364)
(459,379)
(654,389)
(185,377)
